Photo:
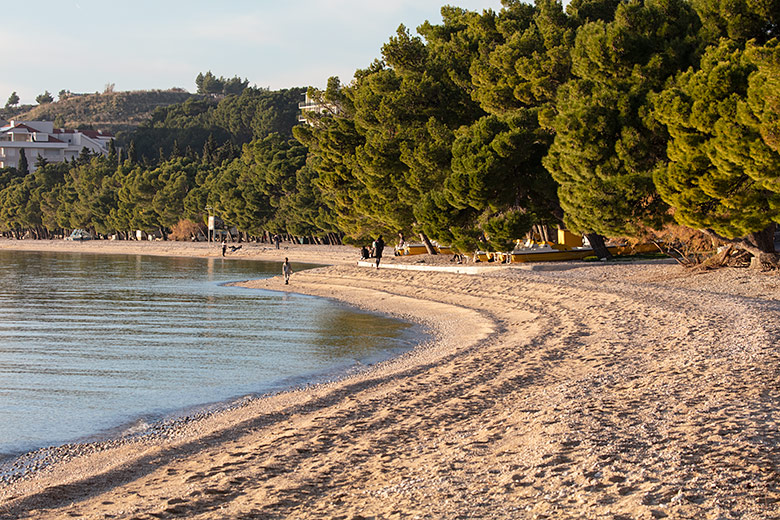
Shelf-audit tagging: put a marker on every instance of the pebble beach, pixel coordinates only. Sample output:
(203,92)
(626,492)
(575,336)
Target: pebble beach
(606,390)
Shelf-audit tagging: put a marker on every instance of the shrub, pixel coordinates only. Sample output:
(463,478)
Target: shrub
(187,230)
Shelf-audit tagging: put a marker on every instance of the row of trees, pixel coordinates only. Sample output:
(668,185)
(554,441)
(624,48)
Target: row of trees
(260,191)
(609,117)
(41,99)
(235,156)
(612,117)
(208,83)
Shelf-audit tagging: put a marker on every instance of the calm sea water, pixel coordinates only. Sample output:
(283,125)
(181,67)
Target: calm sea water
(89,343)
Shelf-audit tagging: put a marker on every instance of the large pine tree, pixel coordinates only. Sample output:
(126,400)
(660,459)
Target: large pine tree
(606,147)
(723,176)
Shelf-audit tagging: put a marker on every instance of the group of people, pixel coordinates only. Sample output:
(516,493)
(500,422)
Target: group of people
(377,248)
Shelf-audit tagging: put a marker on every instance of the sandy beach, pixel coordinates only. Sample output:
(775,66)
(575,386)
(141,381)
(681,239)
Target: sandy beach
(612,391)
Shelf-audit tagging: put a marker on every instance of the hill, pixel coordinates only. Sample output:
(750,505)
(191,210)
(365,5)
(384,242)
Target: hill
(111,111)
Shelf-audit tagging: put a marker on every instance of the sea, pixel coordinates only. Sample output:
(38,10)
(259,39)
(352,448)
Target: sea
(92,345)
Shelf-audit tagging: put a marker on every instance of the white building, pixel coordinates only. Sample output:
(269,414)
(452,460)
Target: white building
(310,105)
(41,139)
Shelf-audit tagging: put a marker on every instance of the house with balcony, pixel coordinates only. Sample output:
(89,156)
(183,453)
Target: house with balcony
(41,139)
(312,106)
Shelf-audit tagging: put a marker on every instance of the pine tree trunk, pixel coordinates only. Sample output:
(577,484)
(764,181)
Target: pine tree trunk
(428,246)
(766,254)
(543,231)
(760,244)
(598,245)
(764,240)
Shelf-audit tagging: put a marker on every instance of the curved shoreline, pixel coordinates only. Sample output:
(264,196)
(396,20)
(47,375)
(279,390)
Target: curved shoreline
(143,429)
(608,391)
(137,424)
(84,465)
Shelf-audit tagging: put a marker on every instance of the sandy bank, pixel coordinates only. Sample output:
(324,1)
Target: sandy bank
(326,255)
(601,392)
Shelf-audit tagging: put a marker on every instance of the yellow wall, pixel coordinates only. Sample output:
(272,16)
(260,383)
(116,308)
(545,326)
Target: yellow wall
(569,239)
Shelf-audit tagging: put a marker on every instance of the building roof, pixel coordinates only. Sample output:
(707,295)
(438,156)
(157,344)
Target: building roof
(8,129)
(20,126)
(89,133)
(92,134)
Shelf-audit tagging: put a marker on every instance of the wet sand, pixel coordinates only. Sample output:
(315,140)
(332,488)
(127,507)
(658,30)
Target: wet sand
(607,391)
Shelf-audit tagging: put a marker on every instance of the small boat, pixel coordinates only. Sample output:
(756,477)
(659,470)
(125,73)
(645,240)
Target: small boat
(546,254)
(412,249)
(420,249)
(552,252)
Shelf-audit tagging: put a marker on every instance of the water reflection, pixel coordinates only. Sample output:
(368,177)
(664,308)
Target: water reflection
(88,342)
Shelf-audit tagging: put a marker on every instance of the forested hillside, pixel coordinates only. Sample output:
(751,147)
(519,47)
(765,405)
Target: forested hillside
(233,119)
(609,118)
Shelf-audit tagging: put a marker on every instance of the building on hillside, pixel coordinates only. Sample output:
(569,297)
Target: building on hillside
(310,105)
(41,139)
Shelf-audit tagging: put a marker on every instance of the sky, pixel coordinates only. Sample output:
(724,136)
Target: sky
(84,45)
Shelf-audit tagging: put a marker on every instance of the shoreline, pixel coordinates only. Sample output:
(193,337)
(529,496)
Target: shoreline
(148,427)
(16,466)
(309,254)
(644,391)
(56,463)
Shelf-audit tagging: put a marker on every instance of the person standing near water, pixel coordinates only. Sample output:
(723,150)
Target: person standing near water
(379,246)
(224,246)
(286,271)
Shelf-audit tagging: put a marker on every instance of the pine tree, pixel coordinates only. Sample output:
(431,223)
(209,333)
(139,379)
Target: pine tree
(132,156)
(84,156)
(112,154)
(40,162)
(209,150)
(605,148)
(723,176)
(22,165)
(199,83)
(44,98)
(13,100)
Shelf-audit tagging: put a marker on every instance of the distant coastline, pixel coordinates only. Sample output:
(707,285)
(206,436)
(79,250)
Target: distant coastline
(312,254)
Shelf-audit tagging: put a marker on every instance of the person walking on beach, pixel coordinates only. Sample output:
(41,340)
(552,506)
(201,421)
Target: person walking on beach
(379,246)
(286,271)
(276,240)
(224,246)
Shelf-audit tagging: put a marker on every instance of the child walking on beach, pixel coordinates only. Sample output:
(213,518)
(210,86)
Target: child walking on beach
(286,271)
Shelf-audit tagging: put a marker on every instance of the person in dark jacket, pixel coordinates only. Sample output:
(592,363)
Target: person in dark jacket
(286,271)
(379,246)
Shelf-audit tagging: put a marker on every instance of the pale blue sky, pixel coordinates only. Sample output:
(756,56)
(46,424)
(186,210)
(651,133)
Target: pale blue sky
(83,45)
